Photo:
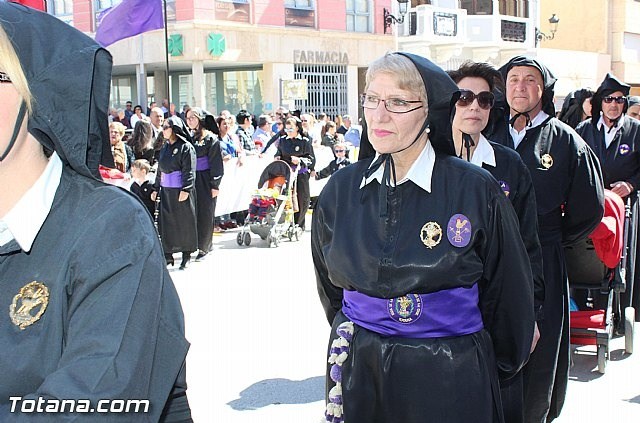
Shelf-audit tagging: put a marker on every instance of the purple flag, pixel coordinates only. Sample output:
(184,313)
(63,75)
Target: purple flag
(129,18)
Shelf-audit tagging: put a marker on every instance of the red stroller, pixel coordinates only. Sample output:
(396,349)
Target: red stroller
(603,265)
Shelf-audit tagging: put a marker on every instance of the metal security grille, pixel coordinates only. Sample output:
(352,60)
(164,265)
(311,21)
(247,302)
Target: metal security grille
(326,89)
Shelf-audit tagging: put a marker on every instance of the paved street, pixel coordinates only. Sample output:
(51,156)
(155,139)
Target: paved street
(258,339)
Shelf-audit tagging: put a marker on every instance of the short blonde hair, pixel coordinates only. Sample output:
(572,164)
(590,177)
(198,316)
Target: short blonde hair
(402,69)
(118,127)
(10,64)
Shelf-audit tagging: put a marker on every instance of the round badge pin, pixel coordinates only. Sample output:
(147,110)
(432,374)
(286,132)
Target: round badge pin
(405,309)
(624,149)
(547,161)
(431,234)
(459,230)
(505,187)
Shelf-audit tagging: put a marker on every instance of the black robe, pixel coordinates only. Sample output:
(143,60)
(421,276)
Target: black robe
(299,147)
(113,326)
(570,204)
(332,168)
(177,219)
(144,192)
(620,162)
(206,180)
(388,379)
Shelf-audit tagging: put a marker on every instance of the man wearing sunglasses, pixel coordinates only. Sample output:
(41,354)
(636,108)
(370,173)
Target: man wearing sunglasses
(477,83)
(615,137)
(569,197)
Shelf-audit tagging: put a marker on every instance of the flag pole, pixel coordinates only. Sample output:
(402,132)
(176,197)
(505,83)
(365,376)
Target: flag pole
(166,52)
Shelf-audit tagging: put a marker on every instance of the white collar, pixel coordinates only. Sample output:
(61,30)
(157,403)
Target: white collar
(483,153)
(536,121)
(616,128)
(24,220)
(419,173)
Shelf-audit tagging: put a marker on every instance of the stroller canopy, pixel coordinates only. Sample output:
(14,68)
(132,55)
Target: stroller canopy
(273,170)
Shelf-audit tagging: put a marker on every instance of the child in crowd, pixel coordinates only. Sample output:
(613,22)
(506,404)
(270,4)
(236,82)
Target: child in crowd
(141,186)
(265,198)
(340,151)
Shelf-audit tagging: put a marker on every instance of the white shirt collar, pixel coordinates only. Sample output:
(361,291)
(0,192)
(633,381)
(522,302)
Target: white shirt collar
(24,220)
(483,153)
(616,128)
(519,136)
(419,173)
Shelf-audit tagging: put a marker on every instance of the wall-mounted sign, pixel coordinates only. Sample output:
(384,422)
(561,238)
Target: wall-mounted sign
(176,45)
(216,44)
(320,57)
(445,24)
(294,89)
(300,17)
(230,11)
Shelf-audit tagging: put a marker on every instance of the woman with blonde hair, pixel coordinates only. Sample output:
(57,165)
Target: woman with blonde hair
(92,312)
(122,153)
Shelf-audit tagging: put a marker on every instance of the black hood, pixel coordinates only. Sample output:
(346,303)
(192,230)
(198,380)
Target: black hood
(442,92)
(609,85)
(207,120)
(547,77)
(179,128)
(69,76)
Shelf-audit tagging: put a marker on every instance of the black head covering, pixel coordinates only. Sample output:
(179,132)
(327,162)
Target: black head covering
(207,120)
(179,128)
(69,76)
(547,78)
(609,85)
(571,112)
(442,93)
(633,100)
(440,90)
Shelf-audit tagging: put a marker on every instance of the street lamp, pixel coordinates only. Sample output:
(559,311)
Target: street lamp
(389,19)
(553,22)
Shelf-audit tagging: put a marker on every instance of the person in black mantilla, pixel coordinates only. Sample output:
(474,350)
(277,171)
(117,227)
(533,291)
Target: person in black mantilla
(477,83)
(294,148)
(427,285)
(569,198)
(209,172)
(89,311)
(615,138)
(175,180)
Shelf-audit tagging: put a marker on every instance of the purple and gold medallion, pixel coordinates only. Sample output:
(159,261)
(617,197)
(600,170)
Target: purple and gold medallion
(624,149)
(406,309)
(505,187)
(459,230)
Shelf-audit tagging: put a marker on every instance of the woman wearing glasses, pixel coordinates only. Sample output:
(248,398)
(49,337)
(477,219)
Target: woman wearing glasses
(175,180)
(294,147)
(477,83)
(427,284)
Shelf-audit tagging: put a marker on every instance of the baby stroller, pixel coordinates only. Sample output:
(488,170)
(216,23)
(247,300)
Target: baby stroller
(272,206)
(603,266)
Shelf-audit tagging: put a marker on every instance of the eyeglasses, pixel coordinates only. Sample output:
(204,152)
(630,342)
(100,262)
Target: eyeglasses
(339,151)
(393,105)
(486,99)
(4,77)
(620,100)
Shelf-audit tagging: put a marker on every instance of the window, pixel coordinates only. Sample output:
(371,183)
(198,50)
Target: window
(62,9)
(519,8)
(233,10)
(299,13)
(477,7)
(105,4)
(299,4)
(358,15)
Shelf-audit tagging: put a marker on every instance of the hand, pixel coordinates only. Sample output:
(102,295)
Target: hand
(313,173)
(295,160)
(154,195)
(622,188)
(183,196)
(240,161)
(536,337)
(214,193)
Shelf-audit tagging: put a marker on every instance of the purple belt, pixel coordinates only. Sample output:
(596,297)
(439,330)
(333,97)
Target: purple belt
(171,180)
(450,312)
(202,163)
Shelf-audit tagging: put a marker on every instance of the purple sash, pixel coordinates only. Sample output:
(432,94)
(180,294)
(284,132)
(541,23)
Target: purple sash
(202,163)
(171,180)
(450,312)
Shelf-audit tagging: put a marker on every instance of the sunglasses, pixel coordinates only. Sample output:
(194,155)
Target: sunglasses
(339,151)
(486,99)
(288,129)
(4,77)
(620,100)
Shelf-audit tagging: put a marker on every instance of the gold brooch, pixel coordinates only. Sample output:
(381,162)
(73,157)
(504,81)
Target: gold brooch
(29,305)
(547,161)
(431,234)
